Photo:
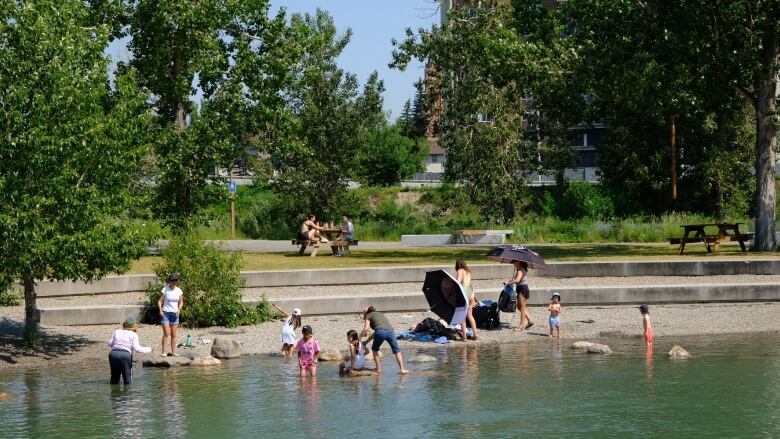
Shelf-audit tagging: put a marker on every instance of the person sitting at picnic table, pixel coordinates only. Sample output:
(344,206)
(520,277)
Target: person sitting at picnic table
(310,231)
(347,234)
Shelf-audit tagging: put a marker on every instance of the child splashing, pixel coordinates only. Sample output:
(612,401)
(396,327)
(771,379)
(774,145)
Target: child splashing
(292,323)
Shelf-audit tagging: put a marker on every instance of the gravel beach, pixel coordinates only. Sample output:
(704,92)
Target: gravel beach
(86,344)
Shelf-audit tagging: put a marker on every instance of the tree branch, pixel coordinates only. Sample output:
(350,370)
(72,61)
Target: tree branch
(747,95)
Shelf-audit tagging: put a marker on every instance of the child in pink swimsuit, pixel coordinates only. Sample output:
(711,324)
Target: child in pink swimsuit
(308,351)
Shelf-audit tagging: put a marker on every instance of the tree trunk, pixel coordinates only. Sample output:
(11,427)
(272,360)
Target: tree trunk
(509,210)
(673,143)
(766,132)
(180,116)
(32,317)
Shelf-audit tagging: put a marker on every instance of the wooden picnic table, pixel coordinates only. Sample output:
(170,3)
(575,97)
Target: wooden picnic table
(726,232)
(335,236)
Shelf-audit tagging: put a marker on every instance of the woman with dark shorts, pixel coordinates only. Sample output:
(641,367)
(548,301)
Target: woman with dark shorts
(383,332)
(520,280)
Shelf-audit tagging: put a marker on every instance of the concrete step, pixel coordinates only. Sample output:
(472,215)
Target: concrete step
(415,301)
(384,275)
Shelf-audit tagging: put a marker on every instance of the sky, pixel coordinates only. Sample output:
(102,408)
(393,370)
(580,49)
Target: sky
(374,24)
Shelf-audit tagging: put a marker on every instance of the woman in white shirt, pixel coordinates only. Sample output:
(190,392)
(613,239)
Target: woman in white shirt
(170,305)
(123,343)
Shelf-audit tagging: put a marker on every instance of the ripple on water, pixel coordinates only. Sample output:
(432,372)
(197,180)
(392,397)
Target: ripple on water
(730,387)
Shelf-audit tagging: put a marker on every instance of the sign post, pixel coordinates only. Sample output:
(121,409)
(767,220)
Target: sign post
(232,190)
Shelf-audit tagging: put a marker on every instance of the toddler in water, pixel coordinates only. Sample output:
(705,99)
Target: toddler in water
(555,314)
(308,351)
(645,310)
(357,354)
(292,323)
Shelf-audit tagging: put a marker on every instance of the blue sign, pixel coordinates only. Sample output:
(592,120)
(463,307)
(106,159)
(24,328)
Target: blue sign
(232,187)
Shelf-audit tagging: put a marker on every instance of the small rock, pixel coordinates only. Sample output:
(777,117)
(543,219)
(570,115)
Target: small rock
(596,348)
(167,362)
(678,352)
(584,345)
(189,353)
(422,359)
(205,362)
(4,395)
(331,355)
(225,348)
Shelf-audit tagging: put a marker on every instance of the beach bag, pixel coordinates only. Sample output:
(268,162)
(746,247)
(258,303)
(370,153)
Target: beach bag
(507,300)
(486,315)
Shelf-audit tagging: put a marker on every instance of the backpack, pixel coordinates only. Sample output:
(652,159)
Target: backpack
(486,315)
(507,300)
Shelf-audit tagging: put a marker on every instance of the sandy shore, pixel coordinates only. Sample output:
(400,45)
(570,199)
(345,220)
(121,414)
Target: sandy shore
(86,344)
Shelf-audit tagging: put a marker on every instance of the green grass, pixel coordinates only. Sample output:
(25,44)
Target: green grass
(473,255)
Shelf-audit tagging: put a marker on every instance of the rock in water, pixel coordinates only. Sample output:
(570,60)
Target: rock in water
(166,362)
(422,359)
(596,348)
(370,356)
(584,345)
(679,352)
(225,348)
(331,355)
(205,362)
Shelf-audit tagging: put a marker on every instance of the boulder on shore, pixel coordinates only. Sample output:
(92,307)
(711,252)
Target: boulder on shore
(584,345)
(331,355)
(360,373)
(205,362)
(225,348)
(678,352)
(596,348)
(422,359)
(166,362)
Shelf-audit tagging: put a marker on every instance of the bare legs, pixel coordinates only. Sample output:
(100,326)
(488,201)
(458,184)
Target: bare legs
(169,331)
(378,362)
(471,322)
(523,310)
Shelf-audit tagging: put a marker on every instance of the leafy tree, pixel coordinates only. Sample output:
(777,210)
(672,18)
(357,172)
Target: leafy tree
(239,59)
(331,121)
(478,69)
(71,143)
(389,157)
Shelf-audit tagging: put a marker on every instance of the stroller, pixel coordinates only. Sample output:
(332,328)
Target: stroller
(486,315)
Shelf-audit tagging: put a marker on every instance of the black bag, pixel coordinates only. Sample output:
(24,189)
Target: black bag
(486,316)
(507,300)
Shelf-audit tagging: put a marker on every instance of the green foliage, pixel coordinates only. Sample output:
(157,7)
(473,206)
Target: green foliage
(211,280)
(8,298)
(584,200)
(389,157)
(242,59)
(71,145)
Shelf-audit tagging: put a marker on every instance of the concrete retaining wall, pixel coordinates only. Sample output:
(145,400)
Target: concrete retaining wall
(379,275)
(425,240)
(415,301)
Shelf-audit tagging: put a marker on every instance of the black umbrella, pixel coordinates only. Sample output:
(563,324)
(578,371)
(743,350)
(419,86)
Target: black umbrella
(445,296)
(511,253)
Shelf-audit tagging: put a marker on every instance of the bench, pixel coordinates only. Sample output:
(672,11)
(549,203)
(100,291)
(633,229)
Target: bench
(726,233)
(481,236)
(315,245)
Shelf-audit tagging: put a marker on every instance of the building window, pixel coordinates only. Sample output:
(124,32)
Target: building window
(435,158)
(484,117)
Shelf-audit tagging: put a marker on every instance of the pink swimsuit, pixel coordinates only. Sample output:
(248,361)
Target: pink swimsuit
(307,352)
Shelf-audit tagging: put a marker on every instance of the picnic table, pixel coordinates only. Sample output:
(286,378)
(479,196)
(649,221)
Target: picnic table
(697,233)
(335,236)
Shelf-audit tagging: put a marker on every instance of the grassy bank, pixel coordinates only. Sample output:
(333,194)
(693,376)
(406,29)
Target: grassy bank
(473,255)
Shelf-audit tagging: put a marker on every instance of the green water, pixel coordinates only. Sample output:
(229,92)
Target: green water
(730,389)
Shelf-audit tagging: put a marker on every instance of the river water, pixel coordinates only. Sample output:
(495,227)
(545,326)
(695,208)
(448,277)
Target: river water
(731,388)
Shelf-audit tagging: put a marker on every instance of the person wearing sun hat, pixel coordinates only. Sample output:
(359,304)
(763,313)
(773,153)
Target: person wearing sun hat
(292,322)
(123,343)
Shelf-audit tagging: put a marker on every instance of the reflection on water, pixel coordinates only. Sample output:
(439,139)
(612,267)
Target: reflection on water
(731,387)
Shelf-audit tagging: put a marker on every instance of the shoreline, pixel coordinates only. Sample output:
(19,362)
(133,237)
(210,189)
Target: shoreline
(86,345)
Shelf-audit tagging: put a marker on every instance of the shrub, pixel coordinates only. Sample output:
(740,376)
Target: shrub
(584,200)
(211,280)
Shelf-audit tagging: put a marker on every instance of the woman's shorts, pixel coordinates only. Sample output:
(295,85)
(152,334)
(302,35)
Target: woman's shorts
(522,290)
(303,236)
(169,318)
(385,335)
